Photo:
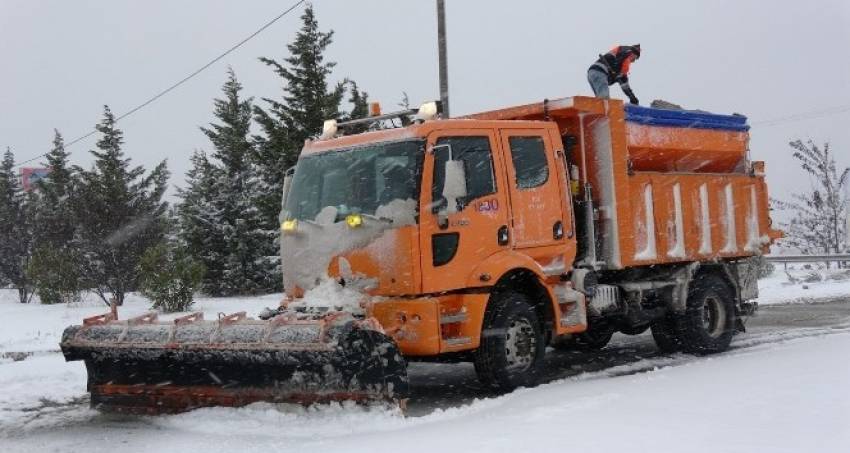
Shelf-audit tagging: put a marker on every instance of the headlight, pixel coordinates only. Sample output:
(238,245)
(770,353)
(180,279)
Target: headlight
(289,226)
(354,220)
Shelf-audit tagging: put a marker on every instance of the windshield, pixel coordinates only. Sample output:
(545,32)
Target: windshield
(356,180)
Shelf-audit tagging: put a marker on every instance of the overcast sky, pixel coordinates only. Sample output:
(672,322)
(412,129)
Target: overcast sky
(62,60)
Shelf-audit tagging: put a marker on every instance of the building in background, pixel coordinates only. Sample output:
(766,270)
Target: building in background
(29,176)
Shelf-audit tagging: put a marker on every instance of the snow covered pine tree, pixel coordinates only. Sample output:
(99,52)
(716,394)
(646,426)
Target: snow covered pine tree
(15,230)
(55,265)
(199,231)
(221,224)
(120,214)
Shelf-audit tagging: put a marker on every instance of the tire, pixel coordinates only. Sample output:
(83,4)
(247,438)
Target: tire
(593,339)
(665,336)
(708,323)
(512,344)
(630,330)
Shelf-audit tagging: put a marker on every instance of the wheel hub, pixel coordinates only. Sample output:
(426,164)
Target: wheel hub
(713,316)
(520,344)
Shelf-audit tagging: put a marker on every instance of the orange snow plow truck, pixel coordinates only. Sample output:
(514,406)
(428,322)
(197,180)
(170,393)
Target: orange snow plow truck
(485,238)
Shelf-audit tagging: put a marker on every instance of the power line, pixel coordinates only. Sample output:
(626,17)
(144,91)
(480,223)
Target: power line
(803,116)
(180,82)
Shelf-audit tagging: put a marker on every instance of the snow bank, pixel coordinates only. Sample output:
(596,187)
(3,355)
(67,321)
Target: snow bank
(41,386)
(778,289)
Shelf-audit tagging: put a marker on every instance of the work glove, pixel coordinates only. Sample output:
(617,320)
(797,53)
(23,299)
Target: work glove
(634,100)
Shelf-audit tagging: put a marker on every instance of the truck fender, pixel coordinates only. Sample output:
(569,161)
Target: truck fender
(684,276)
(492,269)
(682,279)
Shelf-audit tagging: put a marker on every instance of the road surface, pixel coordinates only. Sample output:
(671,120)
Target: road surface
(71,426)
(450,385)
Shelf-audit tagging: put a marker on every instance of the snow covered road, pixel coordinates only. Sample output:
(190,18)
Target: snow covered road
(453,385)
(782,387)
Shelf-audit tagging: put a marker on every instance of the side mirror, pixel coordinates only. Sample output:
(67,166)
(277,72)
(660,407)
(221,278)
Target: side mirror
(455,184)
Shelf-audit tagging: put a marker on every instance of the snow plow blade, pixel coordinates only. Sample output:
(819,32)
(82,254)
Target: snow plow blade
(144,366)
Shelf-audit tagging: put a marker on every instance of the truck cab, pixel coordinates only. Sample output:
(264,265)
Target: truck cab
(431,255)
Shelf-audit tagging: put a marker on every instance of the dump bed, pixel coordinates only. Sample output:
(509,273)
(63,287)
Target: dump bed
(685,141)
(669,185)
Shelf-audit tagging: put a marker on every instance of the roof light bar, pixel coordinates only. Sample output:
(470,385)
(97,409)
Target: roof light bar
(426,112)
(429,110)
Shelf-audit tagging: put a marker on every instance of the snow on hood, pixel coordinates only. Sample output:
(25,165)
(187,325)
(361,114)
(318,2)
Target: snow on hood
(306,254)
(331,295)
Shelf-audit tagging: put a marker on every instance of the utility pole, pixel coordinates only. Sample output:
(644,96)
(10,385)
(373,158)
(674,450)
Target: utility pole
(444,66)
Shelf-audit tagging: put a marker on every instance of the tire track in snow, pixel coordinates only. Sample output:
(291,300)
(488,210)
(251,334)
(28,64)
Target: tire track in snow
(637,355)
(739,346)
(48,413)
(14,356)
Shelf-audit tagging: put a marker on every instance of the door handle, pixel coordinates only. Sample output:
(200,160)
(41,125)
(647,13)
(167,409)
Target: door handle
(503,236)
(558,230)
(442,220)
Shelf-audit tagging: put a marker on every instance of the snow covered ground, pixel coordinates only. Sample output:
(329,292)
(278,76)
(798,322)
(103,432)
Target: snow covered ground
(778,289)
(776,390)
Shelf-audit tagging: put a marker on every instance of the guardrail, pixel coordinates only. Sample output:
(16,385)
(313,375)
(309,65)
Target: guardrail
(824,258)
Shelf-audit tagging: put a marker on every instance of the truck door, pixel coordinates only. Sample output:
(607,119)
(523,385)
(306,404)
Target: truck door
(452,246)
(537,215)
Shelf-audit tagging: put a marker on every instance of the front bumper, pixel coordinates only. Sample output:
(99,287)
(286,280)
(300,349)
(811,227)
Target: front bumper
(432,325)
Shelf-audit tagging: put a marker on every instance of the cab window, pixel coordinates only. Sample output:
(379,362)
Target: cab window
(529,158)
(477,162)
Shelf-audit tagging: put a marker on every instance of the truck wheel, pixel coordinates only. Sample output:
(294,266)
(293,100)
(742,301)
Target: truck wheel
(512,344)
(631,330)
(708,323)
(665,335)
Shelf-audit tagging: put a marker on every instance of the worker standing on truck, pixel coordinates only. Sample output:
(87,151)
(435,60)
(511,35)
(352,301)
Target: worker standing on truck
(613,67)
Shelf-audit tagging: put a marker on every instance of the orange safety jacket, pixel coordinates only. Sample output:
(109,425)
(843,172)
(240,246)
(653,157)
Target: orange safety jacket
(616,64)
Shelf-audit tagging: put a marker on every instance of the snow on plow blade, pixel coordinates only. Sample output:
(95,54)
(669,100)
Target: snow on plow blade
(144,366)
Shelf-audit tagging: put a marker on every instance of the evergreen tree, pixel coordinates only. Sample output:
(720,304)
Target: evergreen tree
(359,107)
(8,212)
(198,217)
(818,222)
(119,212)
(15,230)
(307,103)
(169,277)
(226,194)
(54,223)
(54,268)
